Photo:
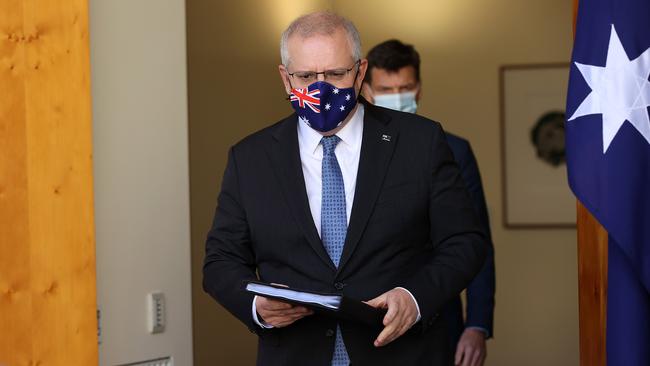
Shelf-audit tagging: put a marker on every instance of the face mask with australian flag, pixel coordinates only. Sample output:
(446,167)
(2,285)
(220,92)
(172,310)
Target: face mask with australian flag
(322,106)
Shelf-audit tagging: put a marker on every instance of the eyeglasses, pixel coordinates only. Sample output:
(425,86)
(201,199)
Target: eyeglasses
(308,77)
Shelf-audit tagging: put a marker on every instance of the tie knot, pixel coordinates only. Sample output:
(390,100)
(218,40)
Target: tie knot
(329,144)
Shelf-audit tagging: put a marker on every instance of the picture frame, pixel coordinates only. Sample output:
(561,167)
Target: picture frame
(535,189)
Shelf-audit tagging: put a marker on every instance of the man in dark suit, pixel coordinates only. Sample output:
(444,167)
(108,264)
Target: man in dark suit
(342,197)
(393,81)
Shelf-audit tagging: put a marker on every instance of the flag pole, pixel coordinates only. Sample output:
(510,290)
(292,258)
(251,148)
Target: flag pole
(592,279)
(592,292)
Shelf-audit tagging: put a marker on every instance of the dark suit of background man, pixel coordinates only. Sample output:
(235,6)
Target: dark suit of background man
(393,81)
(342,197)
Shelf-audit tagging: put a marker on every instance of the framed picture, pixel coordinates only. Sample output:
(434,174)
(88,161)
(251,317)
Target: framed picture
(536,192)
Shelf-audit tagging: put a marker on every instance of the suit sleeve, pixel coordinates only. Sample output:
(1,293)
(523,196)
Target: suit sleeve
(480,292)
(459,244)
(229,259)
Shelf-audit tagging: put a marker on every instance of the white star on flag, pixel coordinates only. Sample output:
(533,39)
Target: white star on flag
(620,91)
(327,107)
(342,108)
(347,97)
(335,91)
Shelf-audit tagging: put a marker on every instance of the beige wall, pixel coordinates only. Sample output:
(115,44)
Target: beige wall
(233,46)
(139,87)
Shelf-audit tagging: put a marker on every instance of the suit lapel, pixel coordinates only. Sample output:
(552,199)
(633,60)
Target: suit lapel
(377,145)
(285,157)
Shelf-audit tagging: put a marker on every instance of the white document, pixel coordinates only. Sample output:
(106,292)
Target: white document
(328,301)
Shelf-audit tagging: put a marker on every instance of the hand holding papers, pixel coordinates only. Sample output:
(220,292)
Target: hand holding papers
(335,305)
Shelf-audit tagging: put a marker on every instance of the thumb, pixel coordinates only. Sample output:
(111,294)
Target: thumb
(377,302)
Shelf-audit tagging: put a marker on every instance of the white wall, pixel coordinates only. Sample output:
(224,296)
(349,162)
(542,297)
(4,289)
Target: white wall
(141,176)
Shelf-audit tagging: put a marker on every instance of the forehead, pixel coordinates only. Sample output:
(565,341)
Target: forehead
(401,77)
(319,52)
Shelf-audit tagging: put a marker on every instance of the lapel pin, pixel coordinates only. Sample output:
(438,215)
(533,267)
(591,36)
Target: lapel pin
(385,137)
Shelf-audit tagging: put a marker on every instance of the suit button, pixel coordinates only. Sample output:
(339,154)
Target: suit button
(329,333)
(339,285)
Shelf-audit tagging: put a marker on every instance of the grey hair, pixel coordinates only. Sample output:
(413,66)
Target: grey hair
(320,23)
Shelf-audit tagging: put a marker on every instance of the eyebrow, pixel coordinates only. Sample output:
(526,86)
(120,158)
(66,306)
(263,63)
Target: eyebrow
(410,85)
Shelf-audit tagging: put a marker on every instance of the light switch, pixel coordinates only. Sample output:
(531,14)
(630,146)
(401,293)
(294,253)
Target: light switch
(156,304)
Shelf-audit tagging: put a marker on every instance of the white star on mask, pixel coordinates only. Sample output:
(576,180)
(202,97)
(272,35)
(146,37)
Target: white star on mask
(620,91)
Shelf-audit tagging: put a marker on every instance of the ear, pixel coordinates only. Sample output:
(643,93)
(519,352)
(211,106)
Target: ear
(363,67)
(284,74)
(418,93)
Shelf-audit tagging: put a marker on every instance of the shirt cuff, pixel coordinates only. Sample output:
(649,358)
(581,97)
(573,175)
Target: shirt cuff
(257,320)
(416,304)
(481,329)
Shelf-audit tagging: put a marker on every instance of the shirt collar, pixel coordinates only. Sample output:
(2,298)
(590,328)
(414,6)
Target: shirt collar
(350,134)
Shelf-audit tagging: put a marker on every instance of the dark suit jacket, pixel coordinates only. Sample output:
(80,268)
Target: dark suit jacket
(480,292)
(412,225)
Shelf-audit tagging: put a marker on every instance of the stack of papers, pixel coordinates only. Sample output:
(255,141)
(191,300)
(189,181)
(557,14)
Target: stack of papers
(339,306)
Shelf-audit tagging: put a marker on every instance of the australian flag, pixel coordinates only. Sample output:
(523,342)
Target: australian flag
(608,158)
(322,105)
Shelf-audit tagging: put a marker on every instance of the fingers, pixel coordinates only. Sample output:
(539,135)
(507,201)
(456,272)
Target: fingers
(286,312)
(477,358)
(391,332)
(471,357)
(278,313)
(471,348)
(271,305)
(283,321)
(467,357)
(459,355)
(398,319)
(391,313)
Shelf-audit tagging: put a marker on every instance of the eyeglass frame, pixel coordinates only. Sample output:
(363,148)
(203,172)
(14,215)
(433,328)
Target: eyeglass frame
(324,73)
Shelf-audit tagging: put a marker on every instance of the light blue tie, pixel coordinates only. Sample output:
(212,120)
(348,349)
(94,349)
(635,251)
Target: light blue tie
(334,223)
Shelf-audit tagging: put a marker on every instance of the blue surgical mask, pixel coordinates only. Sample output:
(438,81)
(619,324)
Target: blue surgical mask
(404,102)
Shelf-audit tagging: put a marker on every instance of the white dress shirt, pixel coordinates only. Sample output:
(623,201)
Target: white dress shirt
(347,152)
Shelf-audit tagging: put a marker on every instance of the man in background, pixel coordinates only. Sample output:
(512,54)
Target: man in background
(393,81)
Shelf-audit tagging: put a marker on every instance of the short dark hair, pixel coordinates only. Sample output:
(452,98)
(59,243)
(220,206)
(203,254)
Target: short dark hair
(391,56)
